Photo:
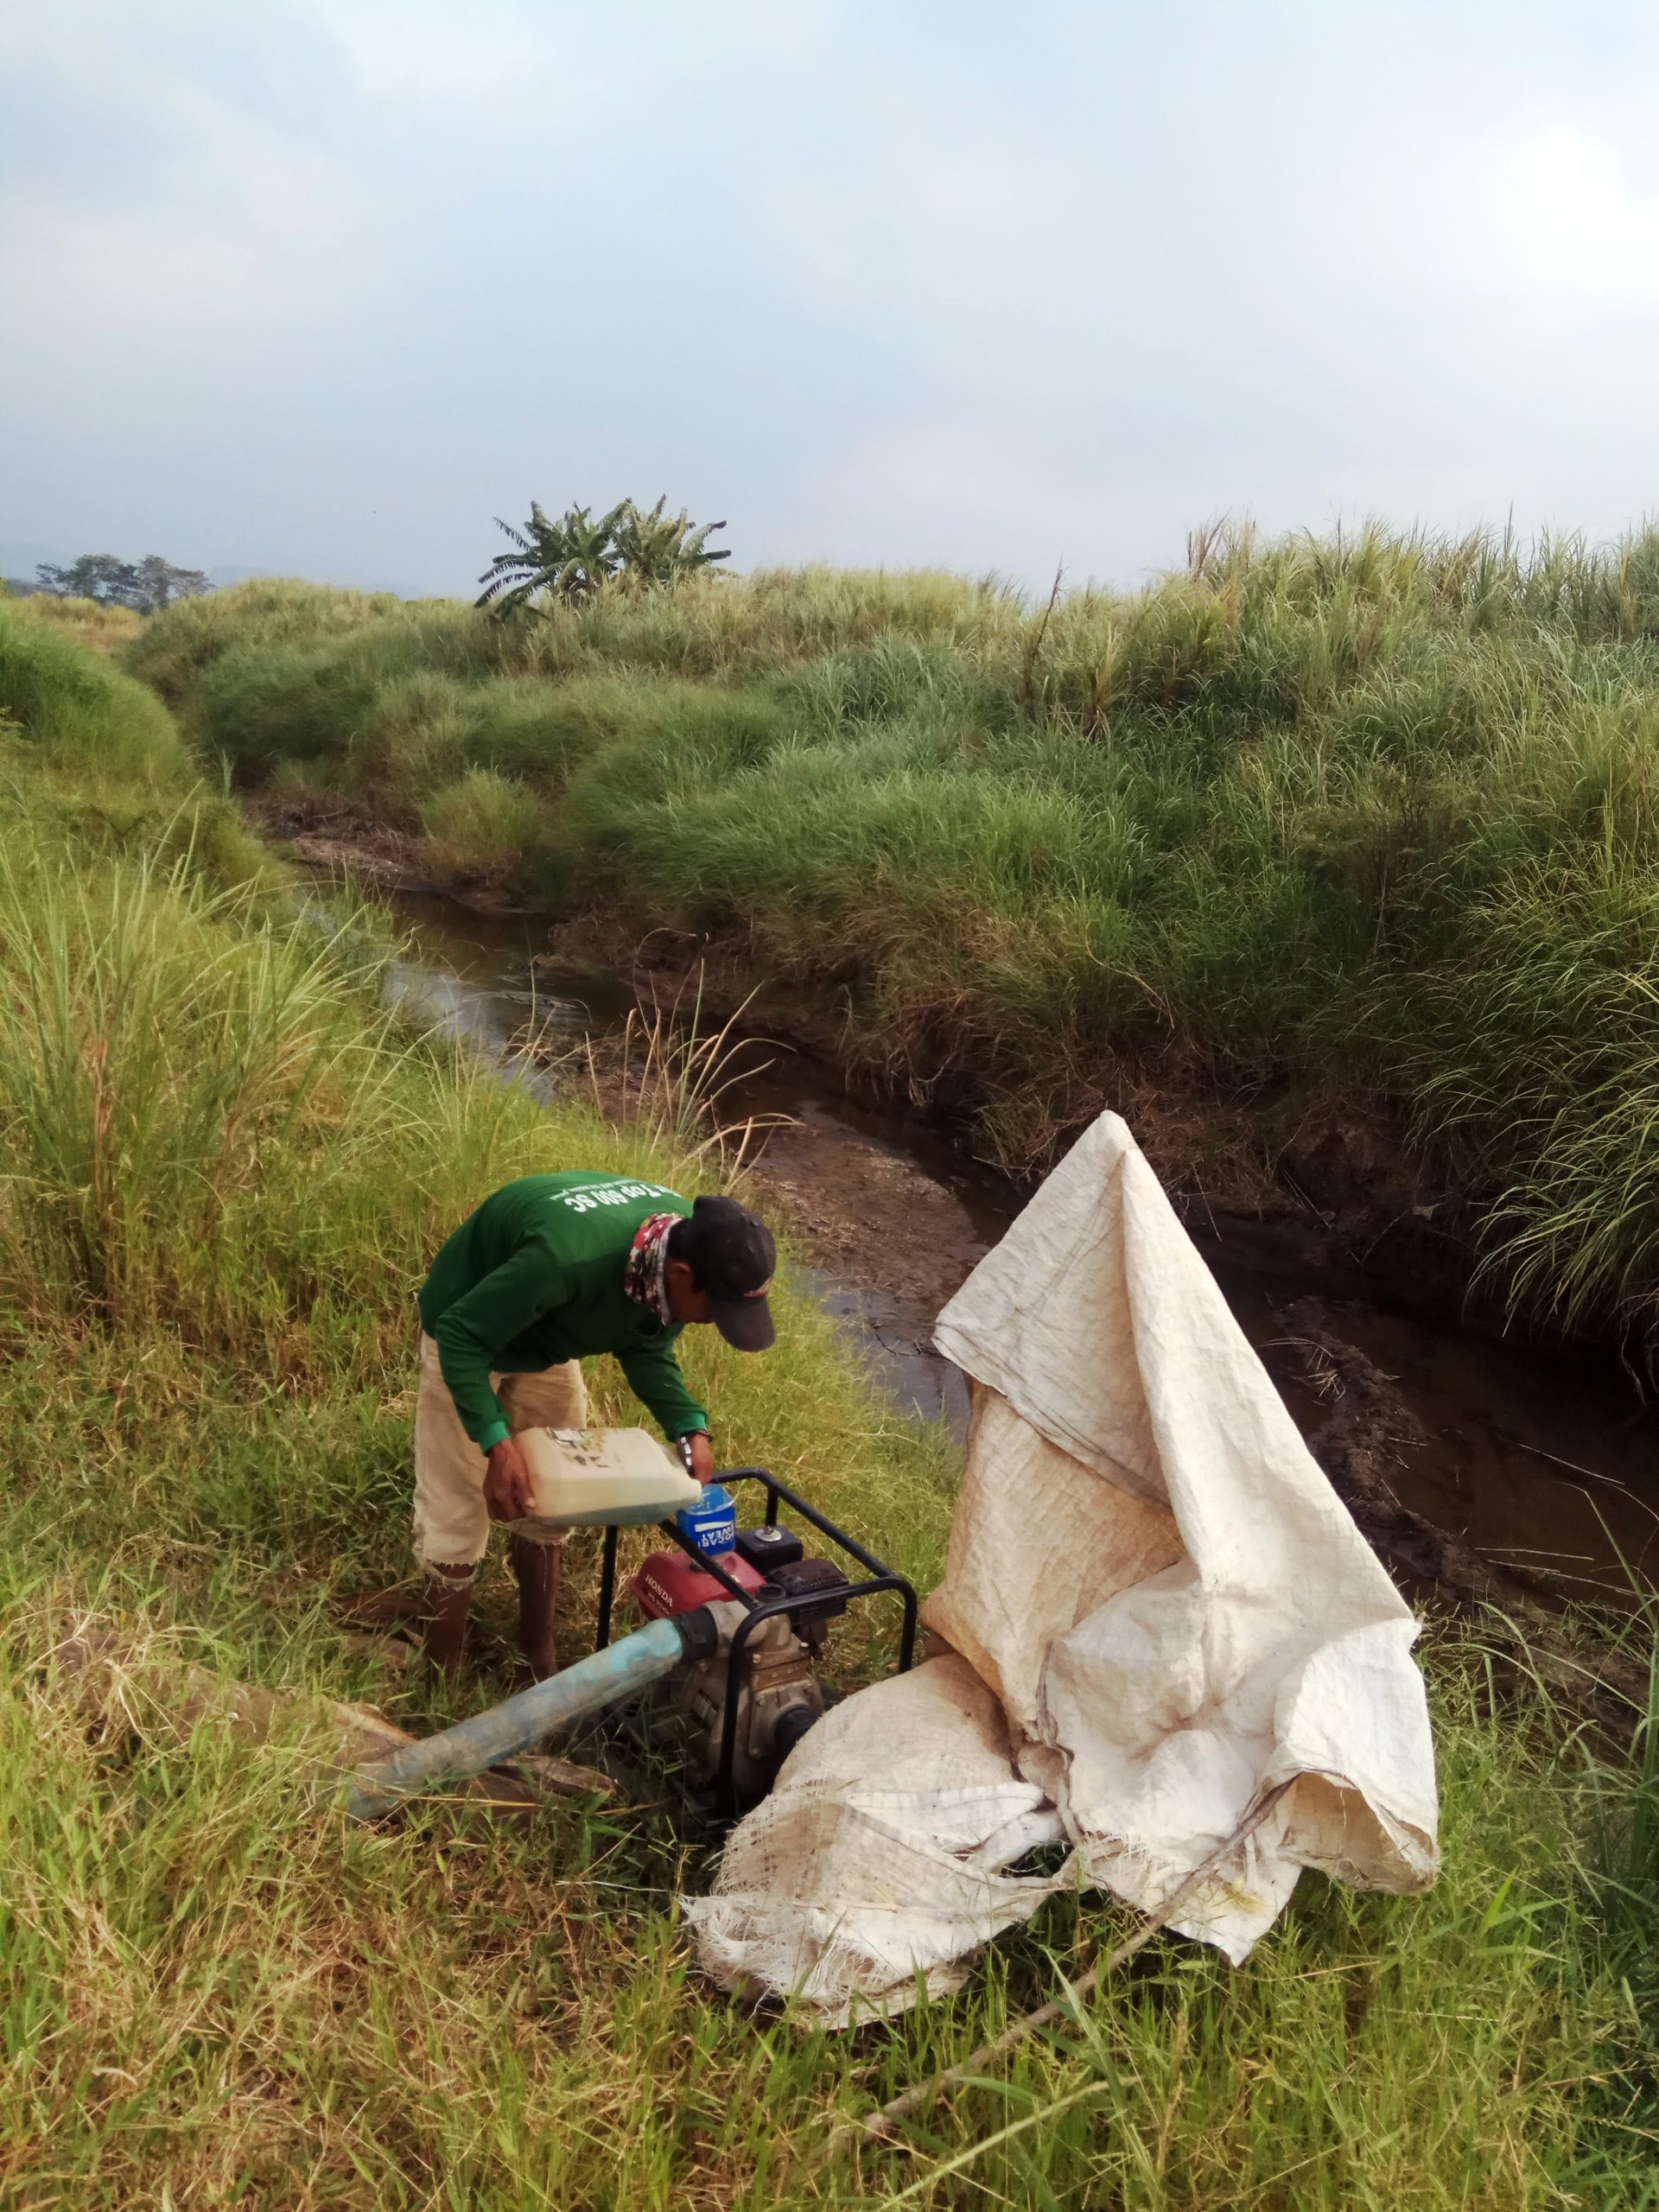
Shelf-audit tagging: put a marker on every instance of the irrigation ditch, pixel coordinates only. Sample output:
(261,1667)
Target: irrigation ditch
(1484,1467)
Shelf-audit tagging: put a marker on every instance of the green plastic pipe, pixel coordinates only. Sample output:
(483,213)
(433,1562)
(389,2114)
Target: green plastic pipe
(609,1677)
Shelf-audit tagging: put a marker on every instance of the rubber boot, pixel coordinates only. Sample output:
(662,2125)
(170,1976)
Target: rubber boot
(447,1601)
(536,1567)
(382,1612)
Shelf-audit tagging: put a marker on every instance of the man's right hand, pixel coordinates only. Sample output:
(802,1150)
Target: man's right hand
(508,1493)
(697,1455)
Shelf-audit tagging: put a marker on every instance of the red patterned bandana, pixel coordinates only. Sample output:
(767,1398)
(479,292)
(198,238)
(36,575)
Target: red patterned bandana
(645,1276)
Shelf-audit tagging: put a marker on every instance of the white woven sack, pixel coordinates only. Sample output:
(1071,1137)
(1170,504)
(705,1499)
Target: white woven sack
(1163,1614)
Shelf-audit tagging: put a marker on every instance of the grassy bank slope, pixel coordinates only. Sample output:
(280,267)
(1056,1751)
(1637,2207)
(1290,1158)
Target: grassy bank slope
(92,622)
(1329,831)
(220,1173)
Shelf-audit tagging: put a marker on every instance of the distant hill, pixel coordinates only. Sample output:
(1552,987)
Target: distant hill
(19,559)
(19,562)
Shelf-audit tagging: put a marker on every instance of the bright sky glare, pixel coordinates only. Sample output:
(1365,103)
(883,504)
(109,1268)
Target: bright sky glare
(320,286)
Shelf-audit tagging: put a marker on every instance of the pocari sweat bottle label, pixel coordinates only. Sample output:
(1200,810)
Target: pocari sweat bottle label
(711,1523)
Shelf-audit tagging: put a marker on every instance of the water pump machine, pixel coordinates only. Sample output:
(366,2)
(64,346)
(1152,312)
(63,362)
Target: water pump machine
(735,1620)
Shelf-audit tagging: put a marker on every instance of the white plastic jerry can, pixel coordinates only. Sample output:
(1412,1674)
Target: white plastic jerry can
(598,1478)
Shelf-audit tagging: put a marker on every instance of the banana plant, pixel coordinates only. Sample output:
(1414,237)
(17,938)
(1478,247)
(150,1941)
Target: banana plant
(658,548)
(575,557)
(569,559)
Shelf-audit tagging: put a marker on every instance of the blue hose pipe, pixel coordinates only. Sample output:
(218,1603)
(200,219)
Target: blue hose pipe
(609,1677)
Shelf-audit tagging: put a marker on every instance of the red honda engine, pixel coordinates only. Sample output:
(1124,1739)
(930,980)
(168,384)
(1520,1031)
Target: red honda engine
(669,1582)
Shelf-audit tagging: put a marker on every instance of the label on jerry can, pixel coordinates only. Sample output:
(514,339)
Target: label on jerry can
(711,1524)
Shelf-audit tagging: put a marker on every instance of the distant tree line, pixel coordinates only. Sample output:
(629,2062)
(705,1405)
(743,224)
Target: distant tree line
(146,585)
(577,555)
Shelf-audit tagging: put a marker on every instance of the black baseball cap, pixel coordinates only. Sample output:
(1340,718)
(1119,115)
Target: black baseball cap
(732,1256)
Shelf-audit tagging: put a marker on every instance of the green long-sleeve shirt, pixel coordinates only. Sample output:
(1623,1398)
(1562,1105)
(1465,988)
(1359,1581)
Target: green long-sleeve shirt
(536,1277)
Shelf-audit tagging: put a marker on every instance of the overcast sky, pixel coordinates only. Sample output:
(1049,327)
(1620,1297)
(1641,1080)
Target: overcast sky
(320,286)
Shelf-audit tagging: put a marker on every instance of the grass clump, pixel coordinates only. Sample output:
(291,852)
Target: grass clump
(221,1174)
(102,624)
(480,825)
(75,711)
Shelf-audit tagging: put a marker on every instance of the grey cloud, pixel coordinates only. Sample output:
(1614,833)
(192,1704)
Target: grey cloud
(322,287)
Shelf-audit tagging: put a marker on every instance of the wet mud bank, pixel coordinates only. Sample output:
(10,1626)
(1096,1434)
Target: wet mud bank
(1482,1468)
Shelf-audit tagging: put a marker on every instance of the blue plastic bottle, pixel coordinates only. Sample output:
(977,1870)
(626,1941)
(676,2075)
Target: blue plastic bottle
(711,1523)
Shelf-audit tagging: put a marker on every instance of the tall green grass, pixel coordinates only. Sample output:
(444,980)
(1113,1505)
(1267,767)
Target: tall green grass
(221,1172)
(77,711)
(98,623)
(1334,831)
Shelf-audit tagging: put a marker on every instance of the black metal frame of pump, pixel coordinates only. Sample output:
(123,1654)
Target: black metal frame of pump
(879,1579)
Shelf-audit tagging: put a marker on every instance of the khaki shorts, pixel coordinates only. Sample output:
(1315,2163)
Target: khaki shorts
(452,1525)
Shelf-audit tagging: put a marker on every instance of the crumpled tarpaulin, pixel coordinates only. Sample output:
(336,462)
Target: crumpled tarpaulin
(1159,1613)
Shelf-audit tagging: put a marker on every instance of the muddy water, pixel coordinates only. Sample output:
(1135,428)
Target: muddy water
(1543,1463)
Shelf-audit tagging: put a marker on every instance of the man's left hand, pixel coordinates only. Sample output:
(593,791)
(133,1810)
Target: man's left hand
(698,1453)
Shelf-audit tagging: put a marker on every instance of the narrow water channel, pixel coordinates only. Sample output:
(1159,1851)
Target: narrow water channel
(1544,1464)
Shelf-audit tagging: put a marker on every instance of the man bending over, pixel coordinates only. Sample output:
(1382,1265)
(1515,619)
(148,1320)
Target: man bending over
(549,1271)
